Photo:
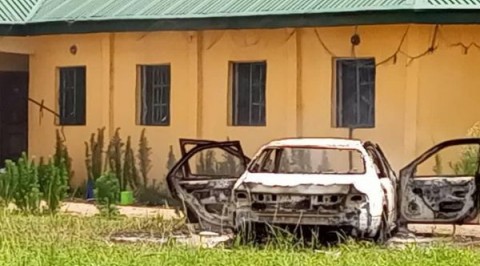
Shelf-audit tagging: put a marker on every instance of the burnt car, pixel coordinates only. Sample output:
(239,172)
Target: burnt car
(325,182)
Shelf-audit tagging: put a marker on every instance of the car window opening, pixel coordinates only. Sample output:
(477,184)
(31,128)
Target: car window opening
(309,160)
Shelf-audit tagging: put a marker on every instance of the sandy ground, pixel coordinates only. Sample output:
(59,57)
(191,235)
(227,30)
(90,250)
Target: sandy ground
(86,209)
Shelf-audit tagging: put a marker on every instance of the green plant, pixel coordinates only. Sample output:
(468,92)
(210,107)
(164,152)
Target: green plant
(171,160)
(94,155)
(106,193)
(62,157)
(43,175)
(154,193)
(144,161)
(301,159)
(438,166)
(469,159)
(8,183)
(57,179)
(206,163)
(122,162)
(115,154)
(27,194)
(130,173)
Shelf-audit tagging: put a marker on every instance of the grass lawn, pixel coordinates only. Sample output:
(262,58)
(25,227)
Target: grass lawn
(68,240)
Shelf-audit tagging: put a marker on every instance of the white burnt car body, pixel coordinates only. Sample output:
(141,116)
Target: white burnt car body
(322,182)
(318,182)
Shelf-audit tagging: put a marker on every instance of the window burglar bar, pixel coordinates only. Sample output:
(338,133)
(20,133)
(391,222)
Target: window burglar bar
(249,94)
(355,93)
(155,95)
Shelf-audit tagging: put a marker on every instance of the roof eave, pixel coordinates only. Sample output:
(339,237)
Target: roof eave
(248,22)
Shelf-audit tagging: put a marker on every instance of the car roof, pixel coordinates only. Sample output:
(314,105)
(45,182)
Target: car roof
(339,143)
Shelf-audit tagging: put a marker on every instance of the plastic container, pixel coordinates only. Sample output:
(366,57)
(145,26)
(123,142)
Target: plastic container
(126,198)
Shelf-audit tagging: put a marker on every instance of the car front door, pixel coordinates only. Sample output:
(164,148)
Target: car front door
(442,185)
(203,180)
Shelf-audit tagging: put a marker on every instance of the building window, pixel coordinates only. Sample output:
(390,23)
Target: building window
(72,99)
(355,93)
(248,94)
(155,95)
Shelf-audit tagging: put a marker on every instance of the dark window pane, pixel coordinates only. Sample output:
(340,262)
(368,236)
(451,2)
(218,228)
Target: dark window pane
(249,94)
(155,95)
(72,96)
(356,93)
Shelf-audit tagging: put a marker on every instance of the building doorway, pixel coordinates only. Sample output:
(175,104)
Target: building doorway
(13,115)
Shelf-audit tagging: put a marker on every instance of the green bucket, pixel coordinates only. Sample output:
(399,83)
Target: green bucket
(126,198)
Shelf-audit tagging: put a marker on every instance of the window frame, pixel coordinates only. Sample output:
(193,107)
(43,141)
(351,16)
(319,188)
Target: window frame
(233,92)
(144,109)
(80,111)
(338,89)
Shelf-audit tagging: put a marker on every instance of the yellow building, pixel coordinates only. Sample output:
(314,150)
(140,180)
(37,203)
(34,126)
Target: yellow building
(404,75)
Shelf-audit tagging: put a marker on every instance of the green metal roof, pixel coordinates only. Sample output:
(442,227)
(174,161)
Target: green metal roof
(54,16)
(54,10)
(16,11)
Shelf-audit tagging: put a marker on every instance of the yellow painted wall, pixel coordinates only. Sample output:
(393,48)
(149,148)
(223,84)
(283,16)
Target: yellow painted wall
(176,49)
(277,48)
(52,52)
(448,87)
(417,102)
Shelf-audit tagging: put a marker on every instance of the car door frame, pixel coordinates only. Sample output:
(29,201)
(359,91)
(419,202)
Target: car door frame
(191,205)
(407,173)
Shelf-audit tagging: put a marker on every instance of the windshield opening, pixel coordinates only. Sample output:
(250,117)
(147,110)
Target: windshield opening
(308,160)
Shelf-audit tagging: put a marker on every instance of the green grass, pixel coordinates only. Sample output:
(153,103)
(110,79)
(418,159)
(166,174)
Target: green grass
(66,240)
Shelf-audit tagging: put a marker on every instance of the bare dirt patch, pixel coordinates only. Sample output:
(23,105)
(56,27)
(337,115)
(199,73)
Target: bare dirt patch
(86,209)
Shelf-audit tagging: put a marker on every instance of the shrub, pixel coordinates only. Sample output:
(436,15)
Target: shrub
(27,193)
(144,161)
(94,155)
(122,162)
(62,158)
(468,162)
(106,193)
(8,183)
(56,188)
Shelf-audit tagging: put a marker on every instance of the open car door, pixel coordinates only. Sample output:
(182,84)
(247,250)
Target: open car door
(442,185)
(203,180)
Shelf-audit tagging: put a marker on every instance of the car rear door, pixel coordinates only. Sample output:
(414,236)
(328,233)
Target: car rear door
(442,185)
(203,180)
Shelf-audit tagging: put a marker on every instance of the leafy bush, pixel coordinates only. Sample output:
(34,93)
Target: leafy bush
(468,162)
(61,157)
(151,193)
(25,184)
(106,193)
(144,161)
(57,179)
(94,155)
(122,162)
(8,183)
(27,193)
